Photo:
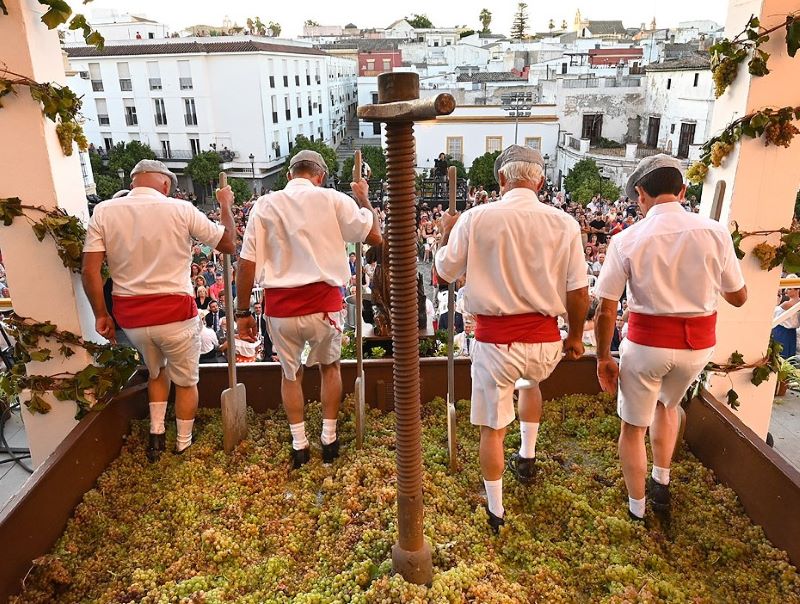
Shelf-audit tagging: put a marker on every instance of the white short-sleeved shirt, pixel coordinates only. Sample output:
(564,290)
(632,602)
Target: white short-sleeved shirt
(520,256)
(147,238)
(297,236)
(673,262)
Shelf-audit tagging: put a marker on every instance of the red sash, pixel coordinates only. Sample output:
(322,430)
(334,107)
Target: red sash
(678,333)
(156,309)
(529,328)
(304,300)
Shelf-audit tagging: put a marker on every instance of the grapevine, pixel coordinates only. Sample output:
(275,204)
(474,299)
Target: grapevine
(786,253)
(208,528)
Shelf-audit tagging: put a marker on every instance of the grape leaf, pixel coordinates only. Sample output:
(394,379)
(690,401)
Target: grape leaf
(37,404)
(793,36)
(57,14)
(737,358)
(760,375)
(732,399)
(41,355)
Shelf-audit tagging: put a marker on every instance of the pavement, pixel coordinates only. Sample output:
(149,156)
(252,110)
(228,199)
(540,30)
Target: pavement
(785,427)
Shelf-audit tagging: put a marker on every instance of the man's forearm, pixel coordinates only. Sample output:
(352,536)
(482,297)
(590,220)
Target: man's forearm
(245,276)
(577,308)
(226,218)
(93,286)
(604,327)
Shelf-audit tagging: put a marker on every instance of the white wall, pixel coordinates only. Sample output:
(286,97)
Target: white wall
(474,123)
(682,102)
(124,30)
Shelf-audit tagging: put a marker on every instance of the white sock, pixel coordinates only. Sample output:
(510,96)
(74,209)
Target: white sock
(184,433)
(660,475)
(494,496)
(528,431)
(299,440)
(636,506)
(328,431)
(158,412)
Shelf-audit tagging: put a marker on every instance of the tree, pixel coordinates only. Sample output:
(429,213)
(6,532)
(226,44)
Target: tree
(419,21)
(107,185)
(461,171)
(274,29)
(203,168)
(584,182)
(126,156)
(485,17)
(481,172)
(374,156)
(465,33)
(241,190)
(796,205)
(520,23)
(563,25)
(301,143)
(311,23)
(551,25)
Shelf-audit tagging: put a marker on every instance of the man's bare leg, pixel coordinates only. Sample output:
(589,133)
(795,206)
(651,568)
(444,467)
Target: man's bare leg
(633,457)
(492,461)
(331,395)
(530,415)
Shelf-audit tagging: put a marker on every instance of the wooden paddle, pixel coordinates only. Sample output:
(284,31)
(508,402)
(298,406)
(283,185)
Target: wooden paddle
(359,386)
(234,398)
(452,177)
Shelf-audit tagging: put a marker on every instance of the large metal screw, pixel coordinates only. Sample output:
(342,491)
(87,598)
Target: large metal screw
(399,106)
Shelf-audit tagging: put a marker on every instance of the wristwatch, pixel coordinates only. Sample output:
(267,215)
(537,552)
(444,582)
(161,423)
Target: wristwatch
(241,314)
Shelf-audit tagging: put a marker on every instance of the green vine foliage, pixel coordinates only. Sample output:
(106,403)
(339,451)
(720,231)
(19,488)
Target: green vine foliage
(774,125)
(66,230)
(727,55)
(761,370)
(91,387)
(786,253)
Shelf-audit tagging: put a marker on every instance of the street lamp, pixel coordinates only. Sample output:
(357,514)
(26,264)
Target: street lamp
(546,164)
(517,104)
(121,174)
(253,170)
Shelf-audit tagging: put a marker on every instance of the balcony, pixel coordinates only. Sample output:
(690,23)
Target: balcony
(173,154)
(103,120)
(97,86)
(186,83)
(190,120)
(155,83)
(125,84)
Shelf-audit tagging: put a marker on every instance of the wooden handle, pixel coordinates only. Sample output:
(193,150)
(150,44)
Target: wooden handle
(357,166)
(452,177)
(223,180)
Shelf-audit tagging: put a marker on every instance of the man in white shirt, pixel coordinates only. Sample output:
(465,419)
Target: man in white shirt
(294,246)
(517,286)
(675,265)
(209,344)
(146,238)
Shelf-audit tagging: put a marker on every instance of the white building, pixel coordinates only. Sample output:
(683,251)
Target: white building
(679,103)
(471,131)
(238,95)
(117,26)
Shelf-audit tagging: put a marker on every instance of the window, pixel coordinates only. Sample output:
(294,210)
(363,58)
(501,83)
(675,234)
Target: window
(696,79)
(102,112)
(387,64)
(376,128)
(455,147)
(686,139)
(669,83)
(130,112)
(276,145)
(309,106)
(374,98)
(672,129)
(108,142)
(154,75)
(592,126)
(494,143)
(124,72)
(564,68)
(291,140)
(286,107)
(653,128)
(272,81)
(191,112)
(274,102)
(297,80)
(95,77)
(166,149)
(299,107)
(185,75)
(370,64)
(534,142)
(161,112)
(194,143)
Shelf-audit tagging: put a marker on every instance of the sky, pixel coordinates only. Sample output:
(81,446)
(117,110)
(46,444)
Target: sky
(179,14)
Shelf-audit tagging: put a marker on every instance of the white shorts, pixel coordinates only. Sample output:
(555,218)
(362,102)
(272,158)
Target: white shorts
(496,368)
(322,331)
(649,375)
(175,346)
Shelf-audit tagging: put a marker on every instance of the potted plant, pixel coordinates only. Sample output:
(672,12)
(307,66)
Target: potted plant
(788,375)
